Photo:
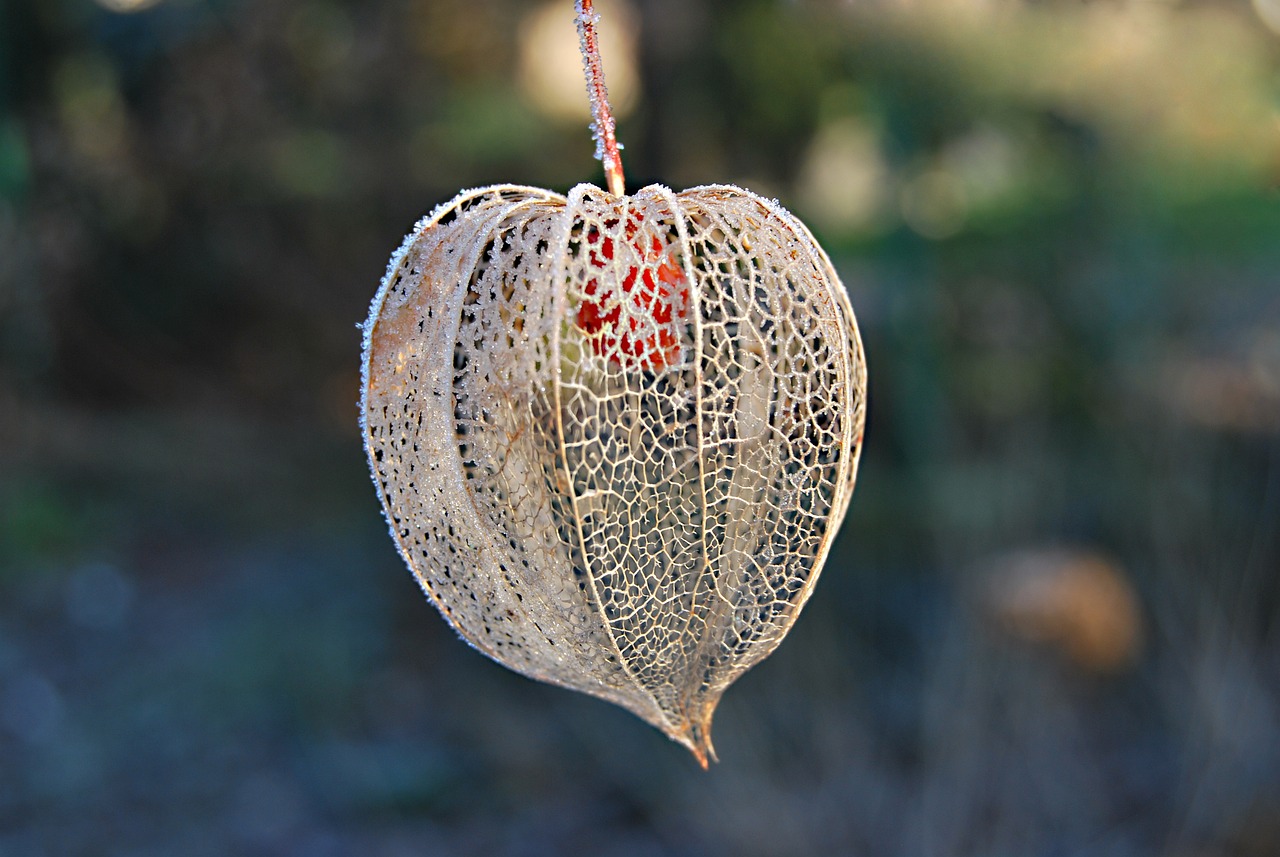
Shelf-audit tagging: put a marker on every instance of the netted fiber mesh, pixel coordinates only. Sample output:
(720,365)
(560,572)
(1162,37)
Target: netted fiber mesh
(614,437)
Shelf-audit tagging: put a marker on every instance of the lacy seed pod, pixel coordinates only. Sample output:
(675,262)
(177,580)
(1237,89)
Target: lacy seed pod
(614,436)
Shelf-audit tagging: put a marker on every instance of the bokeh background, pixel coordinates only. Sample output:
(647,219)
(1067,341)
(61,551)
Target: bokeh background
(1049,626)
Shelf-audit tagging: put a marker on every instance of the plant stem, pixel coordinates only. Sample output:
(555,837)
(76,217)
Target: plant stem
(602,125)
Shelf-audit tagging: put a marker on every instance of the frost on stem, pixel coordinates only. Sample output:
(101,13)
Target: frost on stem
(602,124)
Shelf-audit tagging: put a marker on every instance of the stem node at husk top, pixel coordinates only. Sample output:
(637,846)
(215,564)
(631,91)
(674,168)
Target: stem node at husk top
(602,124)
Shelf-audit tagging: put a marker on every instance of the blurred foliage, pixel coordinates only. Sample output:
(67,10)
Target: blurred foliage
(1057,223)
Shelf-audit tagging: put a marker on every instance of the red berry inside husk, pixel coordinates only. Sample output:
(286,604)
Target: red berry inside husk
(640,327)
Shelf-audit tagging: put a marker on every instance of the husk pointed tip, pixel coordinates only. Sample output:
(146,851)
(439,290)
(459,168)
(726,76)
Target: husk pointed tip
(695,734)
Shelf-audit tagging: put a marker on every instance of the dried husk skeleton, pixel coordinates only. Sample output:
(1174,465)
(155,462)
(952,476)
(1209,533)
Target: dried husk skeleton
(614,436)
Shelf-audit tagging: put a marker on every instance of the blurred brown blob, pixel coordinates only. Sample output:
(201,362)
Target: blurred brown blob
(1240,393)
(1078,602)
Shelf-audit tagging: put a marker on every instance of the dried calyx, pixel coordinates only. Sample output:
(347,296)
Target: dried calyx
(614,436)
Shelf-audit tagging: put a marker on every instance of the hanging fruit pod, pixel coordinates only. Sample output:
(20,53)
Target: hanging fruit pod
(614,436)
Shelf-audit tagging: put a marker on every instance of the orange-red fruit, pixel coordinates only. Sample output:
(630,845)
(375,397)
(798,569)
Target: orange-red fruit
(640,327)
